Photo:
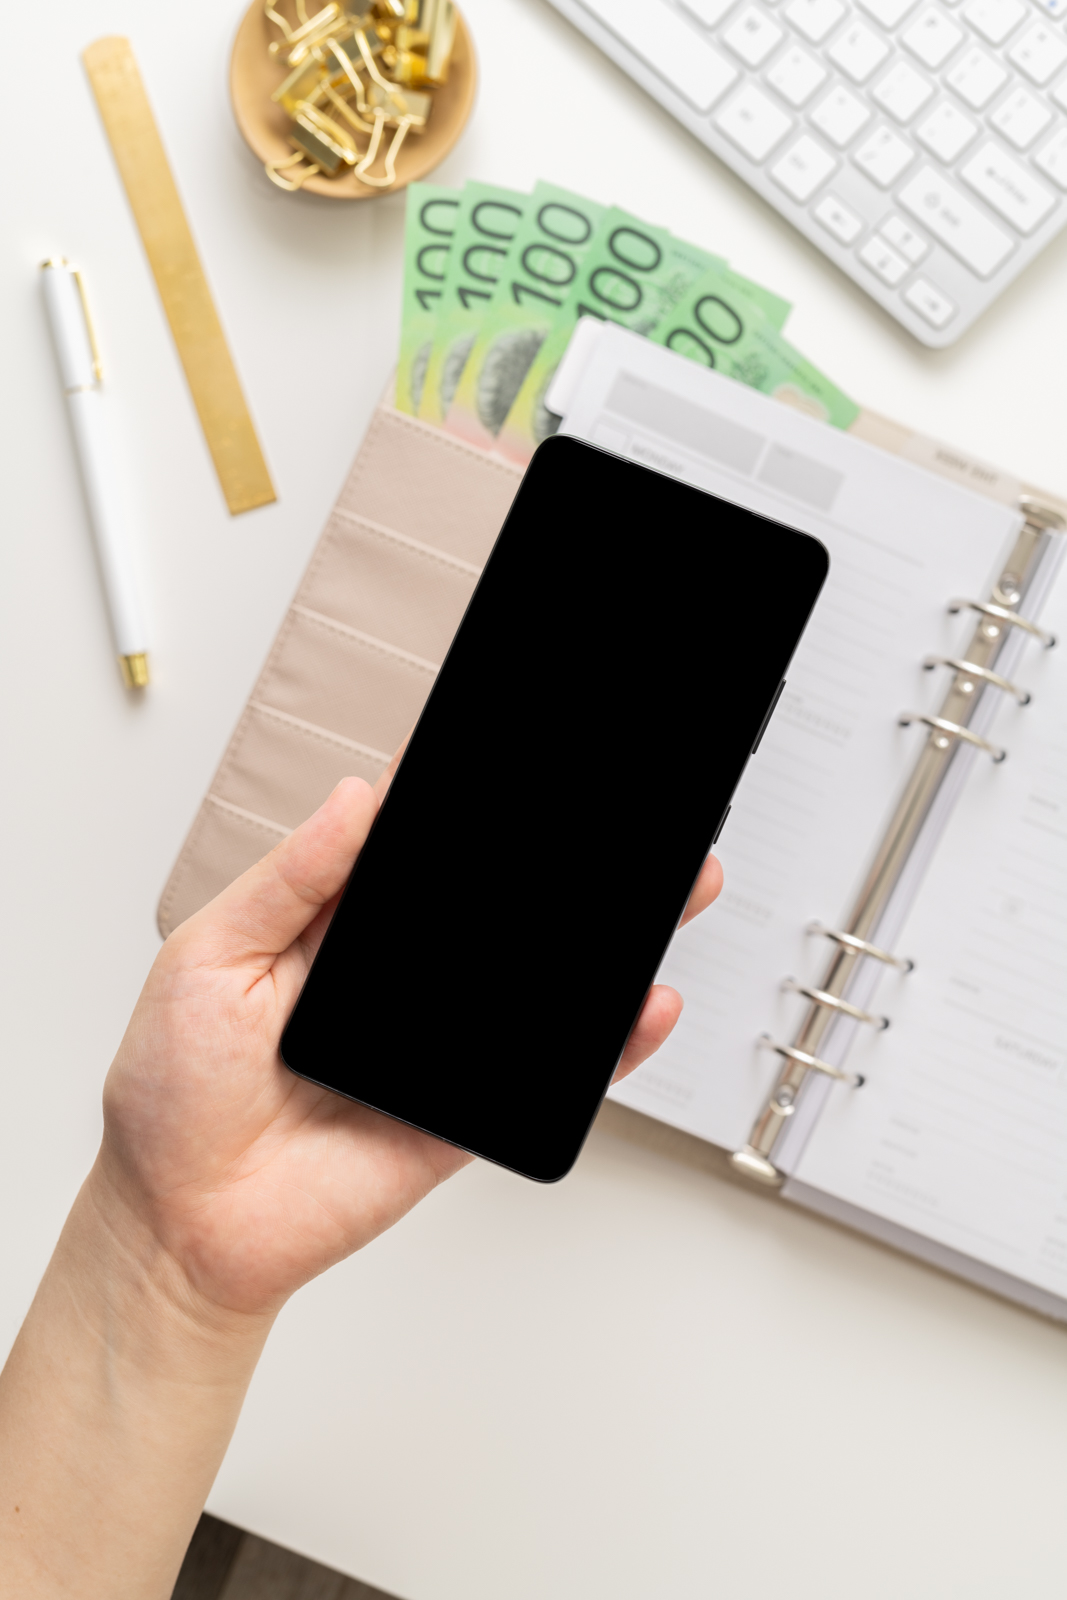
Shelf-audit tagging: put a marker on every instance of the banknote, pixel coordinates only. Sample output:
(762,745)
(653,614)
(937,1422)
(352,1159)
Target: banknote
(718,324)
(431,218)
(632,274)
(556,231)
(486,224)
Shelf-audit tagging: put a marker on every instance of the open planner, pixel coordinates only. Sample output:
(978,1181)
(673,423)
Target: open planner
(884,864)
(875,1017)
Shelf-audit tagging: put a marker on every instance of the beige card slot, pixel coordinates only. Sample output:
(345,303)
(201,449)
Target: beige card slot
(282,768)
(430,487)
(389,587)
(221,845)
(341,680)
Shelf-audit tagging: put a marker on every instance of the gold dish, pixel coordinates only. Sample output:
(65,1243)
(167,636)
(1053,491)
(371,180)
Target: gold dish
(255,74)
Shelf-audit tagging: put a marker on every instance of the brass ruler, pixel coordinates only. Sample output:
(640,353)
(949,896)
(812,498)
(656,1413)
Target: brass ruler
(194,322)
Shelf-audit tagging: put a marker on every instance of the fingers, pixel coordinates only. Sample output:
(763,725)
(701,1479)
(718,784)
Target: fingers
(705,890)
(659,1013)
(664,1005)
(271,904)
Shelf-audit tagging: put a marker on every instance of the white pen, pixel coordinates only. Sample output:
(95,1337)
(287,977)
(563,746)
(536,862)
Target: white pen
(79,366)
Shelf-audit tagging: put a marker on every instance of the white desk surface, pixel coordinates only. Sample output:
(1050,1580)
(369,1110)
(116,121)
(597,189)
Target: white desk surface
(644,1382)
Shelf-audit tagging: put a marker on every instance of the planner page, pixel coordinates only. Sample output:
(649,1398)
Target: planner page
(810,806)
(960,1130)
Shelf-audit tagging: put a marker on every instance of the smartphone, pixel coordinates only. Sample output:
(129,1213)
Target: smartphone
(572,766)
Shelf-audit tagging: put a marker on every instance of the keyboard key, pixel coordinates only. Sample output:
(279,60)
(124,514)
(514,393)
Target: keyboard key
(858,51)
(752,36)
(883,157)
(889,12)
(946,132)
(1059,93)
(943,211)
(838,219)
(885,262)
(1040,52)
(709,12)
(933,38)
(840,116)
(804,168)
(1052,8)
(906,240)
(1008,187)
(796,75)
(929,303)
(1053,158)
(667,44)
(903,91)
(1020,118)
(976,78)
(994,19)
(754,123)
(814,18)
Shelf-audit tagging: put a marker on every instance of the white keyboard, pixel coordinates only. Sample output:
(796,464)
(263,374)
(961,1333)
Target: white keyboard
(922,146)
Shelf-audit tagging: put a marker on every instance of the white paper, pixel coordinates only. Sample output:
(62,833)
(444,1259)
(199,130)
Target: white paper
(812,803)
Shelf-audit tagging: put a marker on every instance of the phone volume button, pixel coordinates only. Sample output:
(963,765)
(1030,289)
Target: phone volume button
(722,824)
(770,714)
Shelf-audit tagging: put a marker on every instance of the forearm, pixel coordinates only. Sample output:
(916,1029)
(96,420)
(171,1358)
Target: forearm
(116,1407)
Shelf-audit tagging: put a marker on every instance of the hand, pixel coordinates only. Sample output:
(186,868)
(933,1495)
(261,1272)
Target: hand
(223,1183)
(250,1180)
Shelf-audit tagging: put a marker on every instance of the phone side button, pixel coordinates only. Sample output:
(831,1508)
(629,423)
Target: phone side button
(721,826)
(767,718)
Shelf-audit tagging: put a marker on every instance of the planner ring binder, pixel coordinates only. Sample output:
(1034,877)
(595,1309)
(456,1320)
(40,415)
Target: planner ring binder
(1002,614)
(864,947)
(786,1096)
(1022,696)
(953,730)
(820,997)
(949,732)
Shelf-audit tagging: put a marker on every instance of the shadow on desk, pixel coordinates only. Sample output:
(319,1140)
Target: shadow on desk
(225,1563)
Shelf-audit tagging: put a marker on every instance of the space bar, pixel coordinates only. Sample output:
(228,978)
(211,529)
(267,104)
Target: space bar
(674,50)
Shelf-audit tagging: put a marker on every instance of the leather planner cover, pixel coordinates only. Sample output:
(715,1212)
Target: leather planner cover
(358,650)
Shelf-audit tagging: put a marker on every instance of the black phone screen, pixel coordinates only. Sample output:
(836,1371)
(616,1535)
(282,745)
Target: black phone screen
(564,783)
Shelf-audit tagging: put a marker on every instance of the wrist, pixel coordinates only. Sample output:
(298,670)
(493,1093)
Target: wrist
(117,1404)
(138,1299)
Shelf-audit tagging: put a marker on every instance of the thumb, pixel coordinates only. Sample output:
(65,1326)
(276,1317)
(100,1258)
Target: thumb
(270,905)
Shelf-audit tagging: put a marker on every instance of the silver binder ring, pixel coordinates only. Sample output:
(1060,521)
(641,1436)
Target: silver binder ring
(1002,614)
(972,670)
(833,1002)
(954,730)
(803,1059)
(849,941)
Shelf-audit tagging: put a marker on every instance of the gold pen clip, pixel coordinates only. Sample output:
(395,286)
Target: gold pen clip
(90,327)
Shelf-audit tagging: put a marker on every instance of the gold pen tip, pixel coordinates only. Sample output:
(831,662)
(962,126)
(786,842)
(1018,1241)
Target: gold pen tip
(134,671)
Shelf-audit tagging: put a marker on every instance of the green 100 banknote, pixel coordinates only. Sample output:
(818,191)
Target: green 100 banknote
(722,328)
(632,275)
(431,221)
(487,221)
(556,232)
(495,282)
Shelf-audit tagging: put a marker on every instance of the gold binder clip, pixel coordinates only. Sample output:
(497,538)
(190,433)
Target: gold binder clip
(305,82)
(322,139)
(353,79)
(393,110)
(296,169)
(441,37)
